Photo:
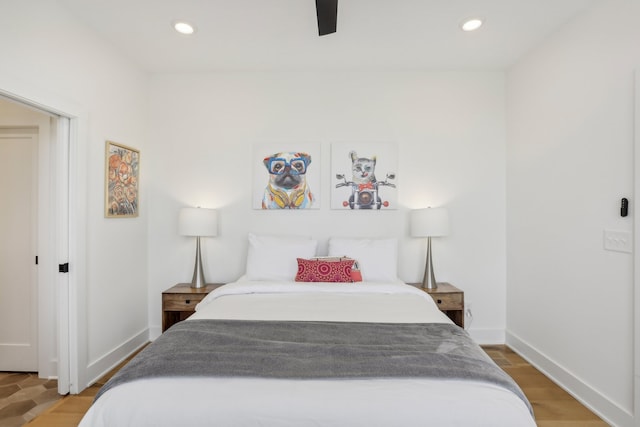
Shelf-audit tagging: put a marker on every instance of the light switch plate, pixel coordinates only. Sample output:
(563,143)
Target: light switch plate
(619,241)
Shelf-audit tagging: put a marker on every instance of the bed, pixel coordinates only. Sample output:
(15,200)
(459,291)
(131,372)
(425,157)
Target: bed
(270,351)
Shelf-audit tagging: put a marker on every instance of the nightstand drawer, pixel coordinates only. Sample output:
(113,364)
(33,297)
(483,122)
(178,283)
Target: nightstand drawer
(181,302)
(449,301)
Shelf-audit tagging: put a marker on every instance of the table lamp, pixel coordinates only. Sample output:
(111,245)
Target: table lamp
(198,222)
(429,222)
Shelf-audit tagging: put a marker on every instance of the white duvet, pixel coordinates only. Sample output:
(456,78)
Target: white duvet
(240,402)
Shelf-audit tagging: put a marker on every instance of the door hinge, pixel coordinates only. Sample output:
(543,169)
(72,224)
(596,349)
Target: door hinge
(63,268)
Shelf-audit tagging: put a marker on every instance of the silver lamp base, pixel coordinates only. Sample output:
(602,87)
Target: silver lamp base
(429,279)
(198,280)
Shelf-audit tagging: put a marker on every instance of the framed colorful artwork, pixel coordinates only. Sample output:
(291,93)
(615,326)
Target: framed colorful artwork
(363,176)
(122,169)
(286,176)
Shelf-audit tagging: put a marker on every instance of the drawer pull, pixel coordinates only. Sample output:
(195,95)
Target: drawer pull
(439,301)
(188,301)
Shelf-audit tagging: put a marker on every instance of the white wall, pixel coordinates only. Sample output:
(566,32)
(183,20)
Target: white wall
(50,54)
(450,132)
(570,161)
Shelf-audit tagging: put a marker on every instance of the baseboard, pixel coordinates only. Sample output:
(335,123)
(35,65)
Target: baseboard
(487,336)
(50,371)
(100,367)
(585,394)
(154,332)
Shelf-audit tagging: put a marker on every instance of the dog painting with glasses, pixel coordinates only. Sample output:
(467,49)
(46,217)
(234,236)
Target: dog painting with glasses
(287,187)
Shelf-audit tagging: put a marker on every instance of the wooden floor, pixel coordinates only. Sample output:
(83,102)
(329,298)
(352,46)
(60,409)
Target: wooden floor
(71,408)
(24,396)
(553,406)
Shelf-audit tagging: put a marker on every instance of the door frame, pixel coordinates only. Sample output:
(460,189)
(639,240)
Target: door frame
(635,209)
(69,244)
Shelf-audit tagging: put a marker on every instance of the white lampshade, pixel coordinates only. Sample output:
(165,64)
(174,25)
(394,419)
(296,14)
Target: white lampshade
(429,222)
(198,222)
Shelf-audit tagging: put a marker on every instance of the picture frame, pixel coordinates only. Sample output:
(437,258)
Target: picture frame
(278,184)
(364,176)
(122,178)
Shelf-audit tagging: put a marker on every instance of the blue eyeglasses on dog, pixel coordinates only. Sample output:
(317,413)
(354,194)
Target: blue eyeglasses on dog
(278,166)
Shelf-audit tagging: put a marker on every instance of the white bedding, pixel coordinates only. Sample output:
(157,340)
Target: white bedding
(391,302)
(282,402)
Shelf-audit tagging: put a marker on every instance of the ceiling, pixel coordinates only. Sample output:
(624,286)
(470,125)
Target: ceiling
(283,34)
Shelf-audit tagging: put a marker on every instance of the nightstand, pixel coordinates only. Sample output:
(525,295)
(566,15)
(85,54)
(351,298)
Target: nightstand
(179,302)
(450,300)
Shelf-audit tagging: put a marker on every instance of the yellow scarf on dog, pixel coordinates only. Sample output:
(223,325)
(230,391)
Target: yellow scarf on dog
(284,200)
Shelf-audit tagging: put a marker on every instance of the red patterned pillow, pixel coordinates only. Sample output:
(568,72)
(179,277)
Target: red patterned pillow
(324,270)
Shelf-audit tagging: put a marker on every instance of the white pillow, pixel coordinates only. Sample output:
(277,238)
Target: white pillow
(378,258)
(275,258)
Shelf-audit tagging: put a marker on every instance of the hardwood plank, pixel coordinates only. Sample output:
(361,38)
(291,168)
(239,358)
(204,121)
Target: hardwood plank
(73,405)
(57,420)
(556,423)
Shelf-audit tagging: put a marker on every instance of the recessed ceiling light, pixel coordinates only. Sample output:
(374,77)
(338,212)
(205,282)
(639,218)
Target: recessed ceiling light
(471,24)
(184,27)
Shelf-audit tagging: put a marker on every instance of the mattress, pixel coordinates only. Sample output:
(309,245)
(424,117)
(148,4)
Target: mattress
(252,401)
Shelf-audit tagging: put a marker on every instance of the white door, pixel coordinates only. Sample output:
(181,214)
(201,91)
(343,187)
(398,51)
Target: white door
(18,270)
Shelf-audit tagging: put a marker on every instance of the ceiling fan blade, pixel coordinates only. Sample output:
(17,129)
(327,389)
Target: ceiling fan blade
(327,11)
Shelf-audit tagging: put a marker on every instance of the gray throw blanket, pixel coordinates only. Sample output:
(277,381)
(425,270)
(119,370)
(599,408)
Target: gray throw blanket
(313,350)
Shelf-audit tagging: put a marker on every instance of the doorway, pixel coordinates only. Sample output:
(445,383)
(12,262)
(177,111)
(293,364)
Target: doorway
(35,144)
(18,249)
